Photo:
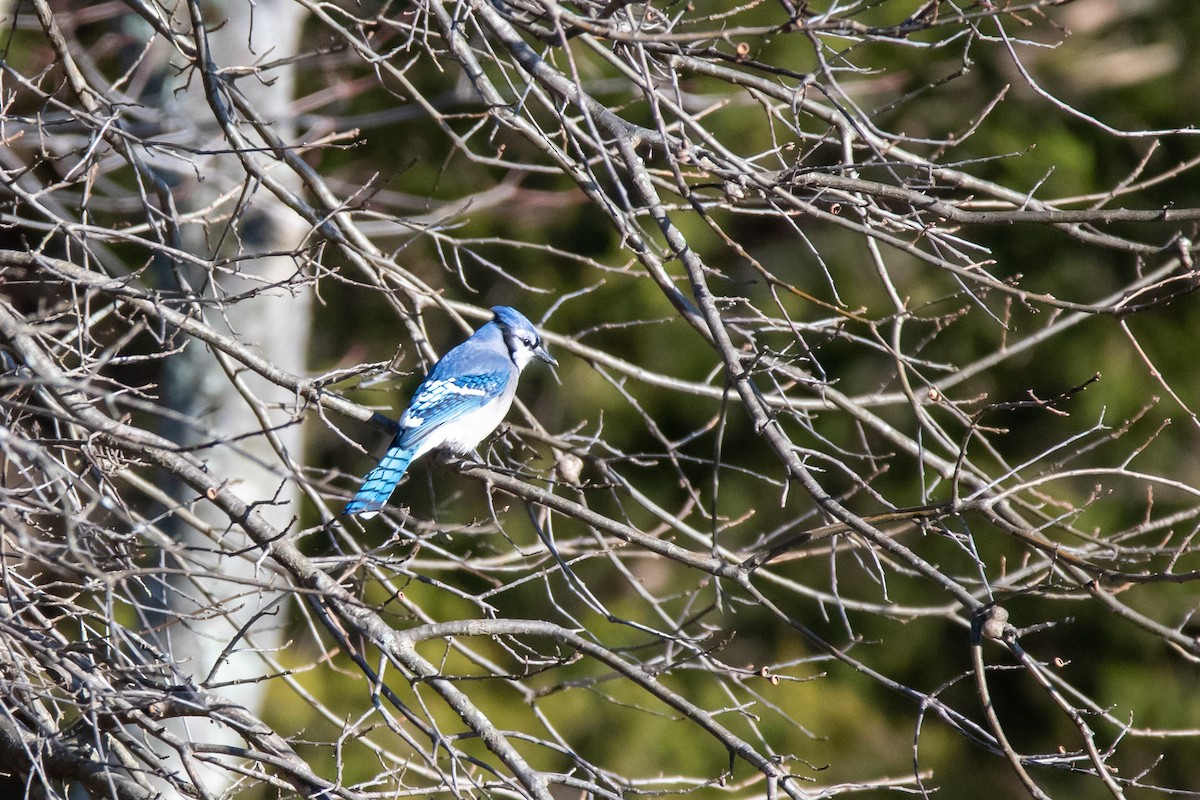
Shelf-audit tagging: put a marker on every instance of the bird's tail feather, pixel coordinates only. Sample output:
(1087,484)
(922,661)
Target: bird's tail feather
(380,483)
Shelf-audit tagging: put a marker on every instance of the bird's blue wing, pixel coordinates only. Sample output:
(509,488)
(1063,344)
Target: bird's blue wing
(440,400)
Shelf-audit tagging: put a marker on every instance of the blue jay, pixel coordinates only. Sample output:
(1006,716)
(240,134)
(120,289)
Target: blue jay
(462,400)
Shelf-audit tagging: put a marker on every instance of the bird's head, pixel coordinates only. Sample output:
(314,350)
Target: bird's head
(524,343)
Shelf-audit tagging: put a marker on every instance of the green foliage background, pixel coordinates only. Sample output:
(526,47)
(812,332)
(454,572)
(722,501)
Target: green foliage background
(1128,65)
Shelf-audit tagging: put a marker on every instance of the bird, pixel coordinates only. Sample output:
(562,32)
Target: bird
(463,399)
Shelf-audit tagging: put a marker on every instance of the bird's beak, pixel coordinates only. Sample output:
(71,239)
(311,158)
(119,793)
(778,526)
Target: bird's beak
(541,352)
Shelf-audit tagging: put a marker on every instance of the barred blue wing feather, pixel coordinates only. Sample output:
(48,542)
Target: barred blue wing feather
(438,401)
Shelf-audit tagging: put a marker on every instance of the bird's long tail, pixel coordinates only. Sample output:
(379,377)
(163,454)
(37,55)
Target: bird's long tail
(380,482)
